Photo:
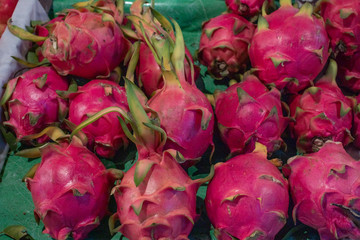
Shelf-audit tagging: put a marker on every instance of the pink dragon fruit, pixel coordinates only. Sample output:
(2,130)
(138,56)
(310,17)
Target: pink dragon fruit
(224,44)
(247,112)
(325,189)
(85,44)
(245,8)
(342,19)
(356,123)
(156,198)
(184,112)
(7,8)
(349,71)
(247,198)
(149,72)
(105,135)
(32,102)
(321,113)
(286,55)
(186,116)
(70,190)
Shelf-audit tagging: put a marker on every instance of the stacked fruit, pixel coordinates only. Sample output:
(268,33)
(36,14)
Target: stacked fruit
(138,84)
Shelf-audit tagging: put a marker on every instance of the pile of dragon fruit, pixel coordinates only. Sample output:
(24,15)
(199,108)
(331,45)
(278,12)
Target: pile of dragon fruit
(99,79)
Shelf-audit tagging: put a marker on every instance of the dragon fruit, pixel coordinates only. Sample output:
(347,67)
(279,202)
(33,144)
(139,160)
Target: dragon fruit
(184,112)
(224,44)
(247,198)
(32,103)
(349,71)
(70,190)
(342,19)
(178,103)
(286,55)
(186,116)
(245,8)
(325,189)
(321,113)
(85,44)
(105,135)
(247,112)
(7,8)
(149,72)
(156,198)
(356,123)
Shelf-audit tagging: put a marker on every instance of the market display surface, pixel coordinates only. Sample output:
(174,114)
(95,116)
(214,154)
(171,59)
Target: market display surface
(234,119)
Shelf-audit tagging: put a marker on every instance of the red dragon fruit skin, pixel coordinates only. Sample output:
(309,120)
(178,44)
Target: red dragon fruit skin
(105,135)
(349,71)
(356,123)
(32,102)
(224,44)
(247,198)
(7,8)
(245,8)
(156,199)
(247,112)
(85,44)
(187,117)
(149,72)
(320,180)
(286,55)
(162,206)
(321,113)
(70,190)
(342,19)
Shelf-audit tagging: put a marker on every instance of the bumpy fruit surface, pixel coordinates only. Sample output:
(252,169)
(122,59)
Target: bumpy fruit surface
(321,113)
(356,123)
(105,135)
(70,190)
(247,198)
(224,44)
(162,205)
(186,116)
(156,199)
(349,71)
(32,102)
(325,189)
(286,55)
(149,72)
(245,8)
(342,18)
(85,44)
(247,112)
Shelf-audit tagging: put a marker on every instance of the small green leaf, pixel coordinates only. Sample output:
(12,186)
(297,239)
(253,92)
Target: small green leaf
(262,24)
(345,13)
(285,3)
(238,27)
(9,138)
(10,87)
(344,111)
(278,61)
(23,34)
(17,232)
(31,172)
(307,9)
(41,81)
(209,31)
(142,168)
(29,153)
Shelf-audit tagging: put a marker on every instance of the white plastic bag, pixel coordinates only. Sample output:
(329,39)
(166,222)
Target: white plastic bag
(10,45)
